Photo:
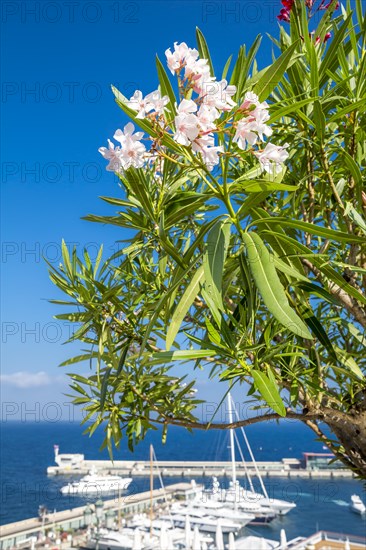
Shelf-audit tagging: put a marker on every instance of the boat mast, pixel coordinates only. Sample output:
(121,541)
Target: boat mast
(119,507)
(232,448)
(251,456)
(151,488)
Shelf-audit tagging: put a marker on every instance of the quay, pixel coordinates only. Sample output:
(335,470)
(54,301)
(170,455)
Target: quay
(19,533)
(290,468)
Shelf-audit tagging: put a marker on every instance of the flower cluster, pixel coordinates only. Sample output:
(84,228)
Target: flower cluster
(131,152)
(284,14)
(197,119)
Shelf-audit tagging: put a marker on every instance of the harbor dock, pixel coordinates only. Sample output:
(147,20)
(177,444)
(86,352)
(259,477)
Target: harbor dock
(290,468)
(18,533)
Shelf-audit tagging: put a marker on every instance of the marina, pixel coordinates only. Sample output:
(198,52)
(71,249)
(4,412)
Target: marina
(311,502)
(71,529)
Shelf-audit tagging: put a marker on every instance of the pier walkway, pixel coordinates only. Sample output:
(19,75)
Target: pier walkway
(291,468)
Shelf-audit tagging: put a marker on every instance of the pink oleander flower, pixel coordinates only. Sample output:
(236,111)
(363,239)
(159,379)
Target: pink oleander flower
(180,57)
(138,103)
(254,124)
(218,95)
(186,128)
(152,102)
(132,150)
(128,132)
(261,116)
(317,40)
(288,4)
(198,71)
(113,155)
(251,103)
(206,116)
(132,154)
(187,106)
(250,99)
(284,15)
(205,145)
(245,133)
(157,102)
(272,157)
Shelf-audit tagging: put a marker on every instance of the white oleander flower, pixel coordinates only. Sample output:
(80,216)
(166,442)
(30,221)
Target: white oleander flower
(272,157)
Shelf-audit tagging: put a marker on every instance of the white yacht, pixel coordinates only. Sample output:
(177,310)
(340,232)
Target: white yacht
(212,508)
(96,484)
(251,500)
(357,505)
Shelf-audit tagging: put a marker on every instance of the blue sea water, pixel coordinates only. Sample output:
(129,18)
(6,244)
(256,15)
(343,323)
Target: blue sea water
(27,450)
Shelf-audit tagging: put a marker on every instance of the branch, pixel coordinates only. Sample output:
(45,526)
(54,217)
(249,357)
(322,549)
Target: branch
(238,424)
(331,446)
(347,301)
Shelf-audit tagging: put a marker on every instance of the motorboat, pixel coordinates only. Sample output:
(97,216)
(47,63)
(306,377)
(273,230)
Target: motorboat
(213,508)
(111,540)
(236,501)
(251,501)
(96,484)
(357,505)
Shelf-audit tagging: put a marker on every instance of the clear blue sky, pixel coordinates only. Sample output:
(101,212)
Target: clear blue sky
(58,61)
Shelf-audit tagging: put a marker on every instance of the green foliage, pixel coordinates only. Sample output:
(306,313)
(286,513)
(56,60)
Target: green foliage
(271,288)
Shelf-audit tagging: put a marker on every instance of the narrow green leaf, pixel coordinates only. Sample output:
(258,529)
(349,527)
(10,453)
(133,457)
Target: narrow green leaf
(357,105)
(78,359)
(256,186)
(289,109)
(66,259)
(347,360)
(274,73)
(104,388)
(203,49)
(319,120)
(183,306)
(165,84)
(270,287)
(317,328)
(182,355)
(269,391)
(214,259)
(226,68)
(313,229)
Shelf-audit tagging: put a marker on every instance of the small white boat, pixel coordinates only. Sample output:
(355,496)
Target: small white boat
(96,484)
(111,540)
(357,505)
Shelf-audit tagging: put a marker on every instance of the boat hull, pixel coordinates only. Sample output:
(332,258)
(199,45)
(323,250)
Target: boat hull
(95,489)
